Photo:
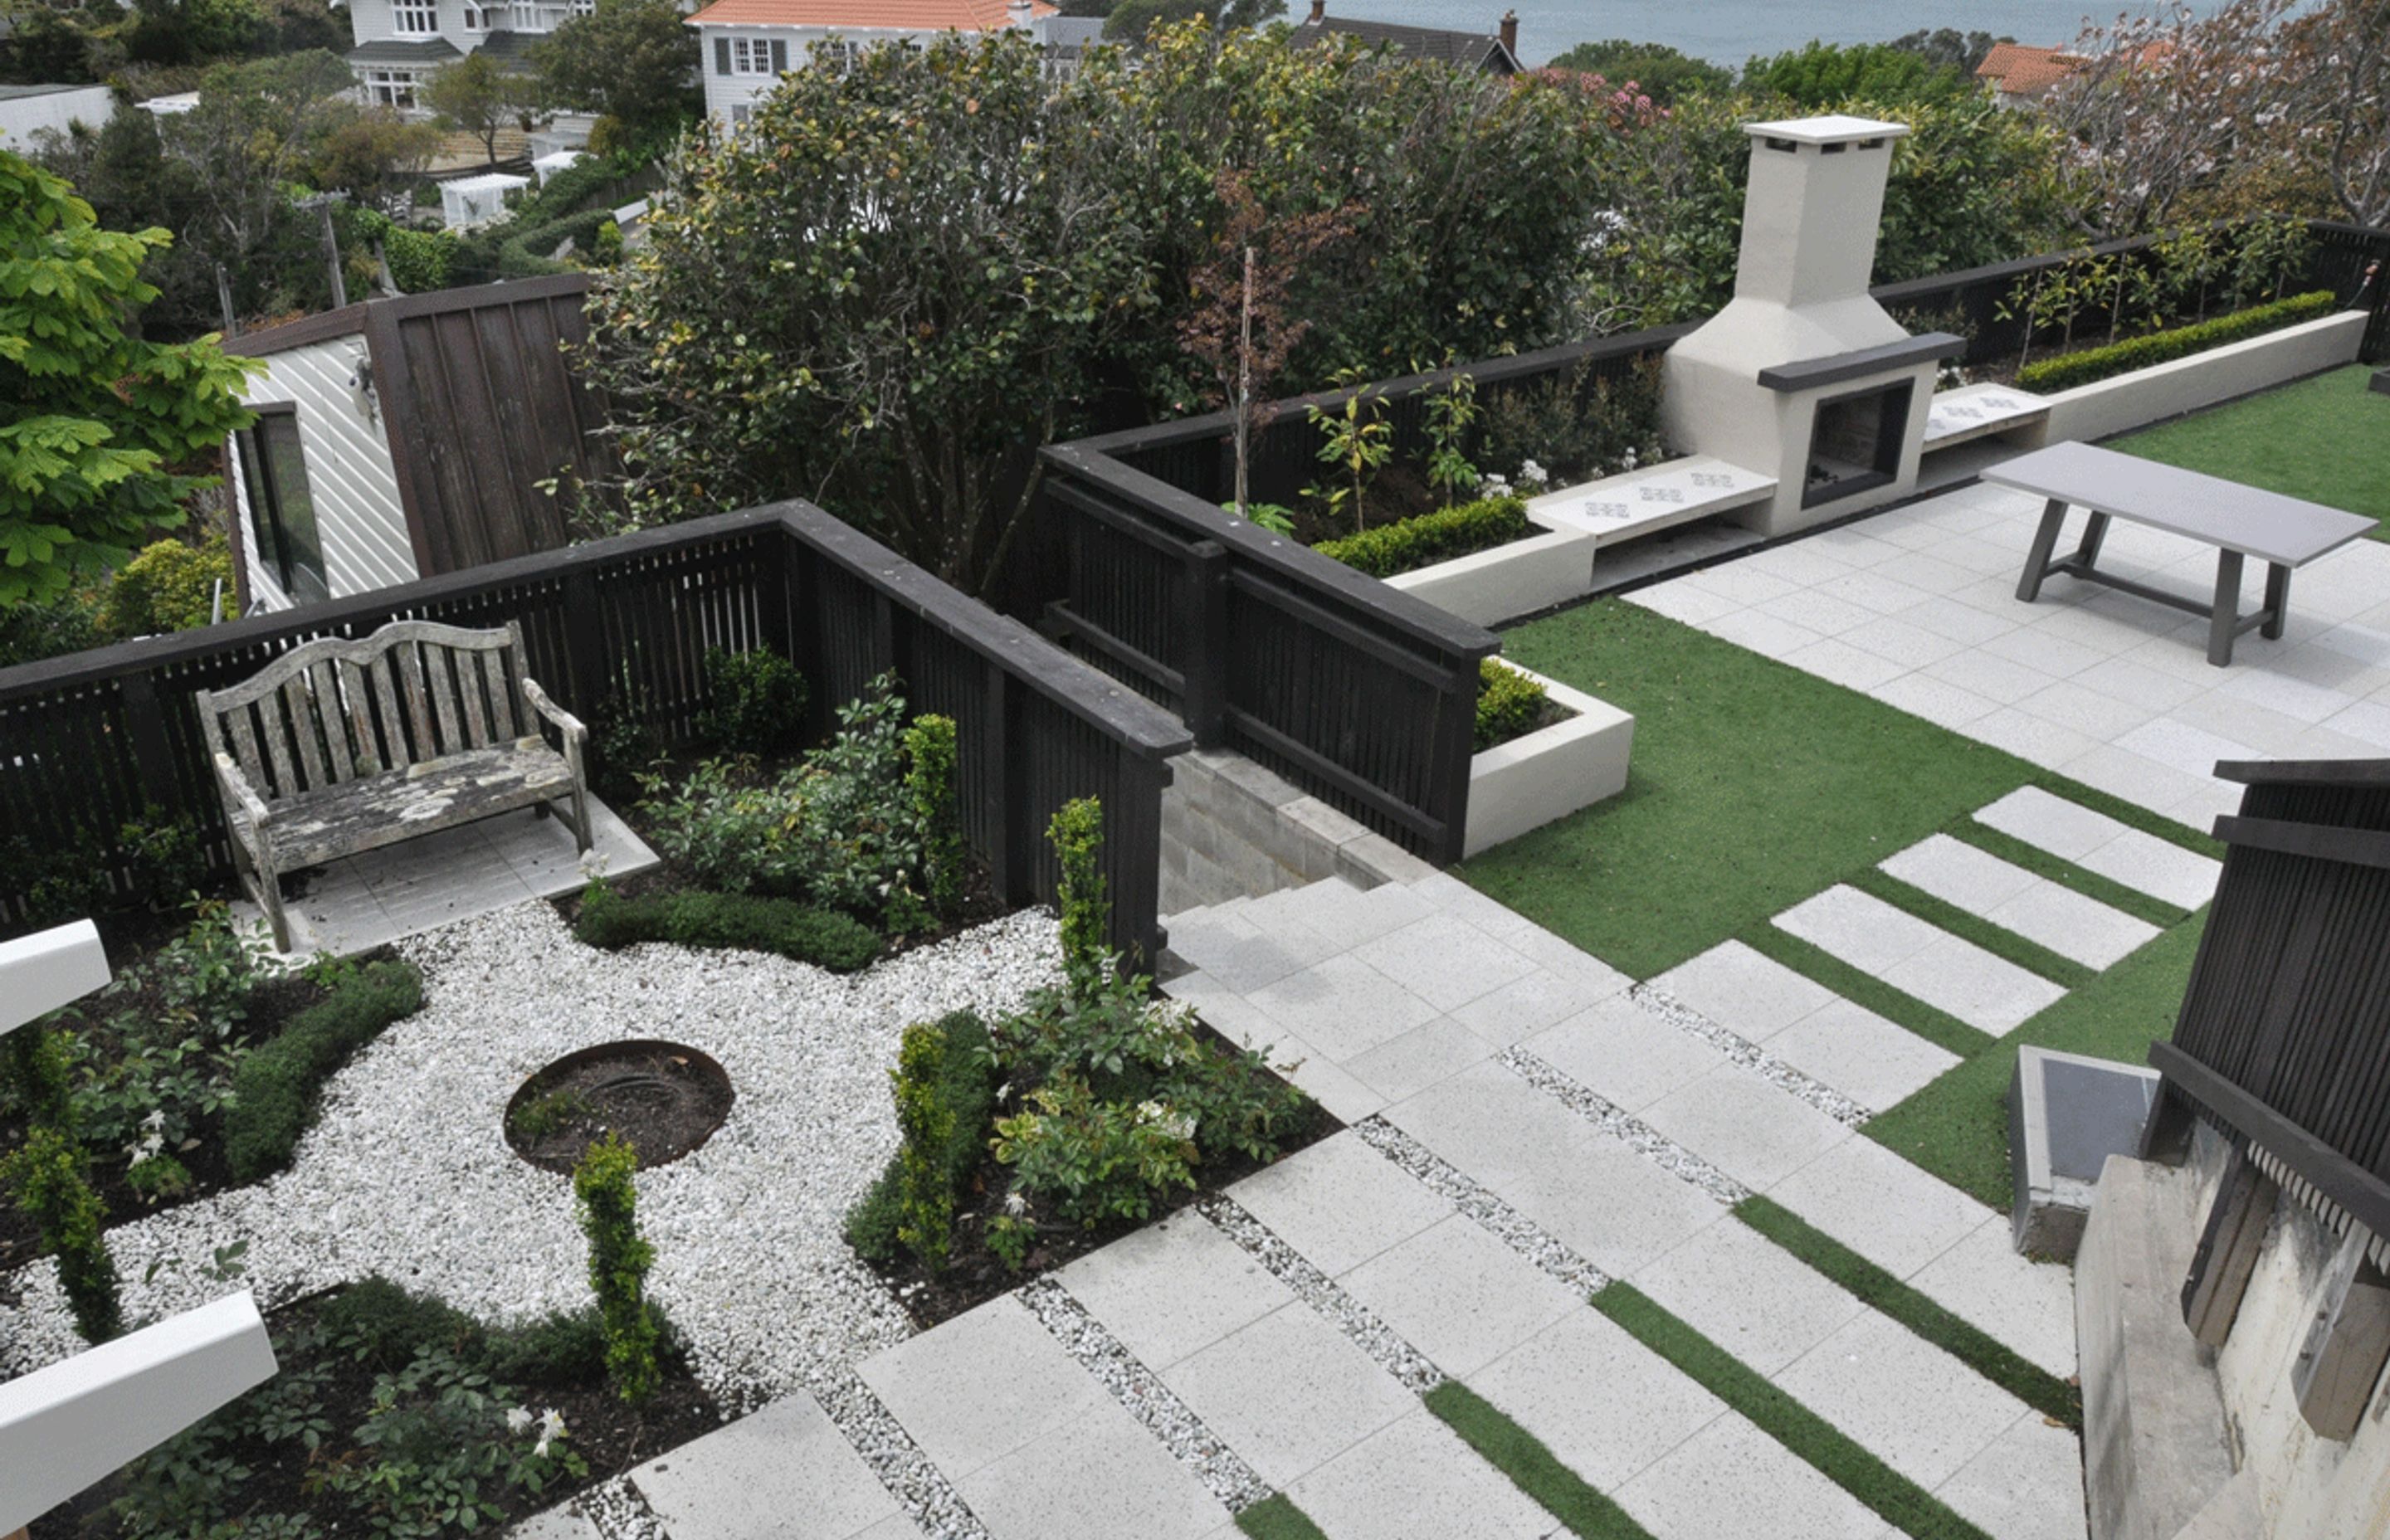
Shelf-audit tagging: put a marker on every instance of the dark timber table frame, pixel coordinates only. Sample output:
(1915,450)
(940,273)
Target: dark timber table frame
(2242,522)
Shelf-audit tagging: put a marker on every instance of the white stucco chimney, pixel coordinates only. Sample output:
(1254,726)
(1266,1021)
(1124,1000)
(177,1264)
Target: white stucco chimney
(1019,13)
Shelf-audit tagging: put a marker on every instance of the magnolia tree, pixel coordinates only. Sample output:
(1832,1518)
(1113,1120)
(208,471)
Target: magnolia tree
(2337,55)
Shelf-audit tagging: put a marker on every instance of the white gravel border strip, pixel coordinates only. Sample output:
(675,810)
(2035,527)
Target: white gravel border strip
(1636,1134)
(1138,1388)
(919,1486)
(615,1509)
(1498,1219)
(1783,1076)
(1316,1289)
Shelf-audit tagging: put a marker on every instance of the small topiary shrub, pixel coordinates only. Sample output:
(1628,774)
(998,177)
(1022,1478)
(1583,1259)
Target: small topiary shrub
(745,921)
(927,1225)
(961,1079)
(274,1090)
(1444,536)
(170,586)
(930,782)
(1509,703)
(619,1260)
(2068,370)
(48,1172)
(757,702)
(420,260)
(1077,832)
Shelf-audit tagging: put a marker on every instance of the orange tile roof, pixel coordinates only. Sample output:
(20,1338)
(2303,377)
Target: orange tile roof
(2021,70)
(912,16)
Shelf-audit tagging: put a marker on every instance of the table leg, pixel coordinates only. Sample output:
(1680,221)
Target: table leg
(2225,619)
(2095,532)
(2036,561)
(2278,601)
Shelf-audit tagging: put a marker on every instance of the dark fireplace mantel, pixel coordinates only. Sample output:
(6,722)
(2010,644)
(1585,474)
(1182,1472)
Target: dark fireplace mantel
(1834,368)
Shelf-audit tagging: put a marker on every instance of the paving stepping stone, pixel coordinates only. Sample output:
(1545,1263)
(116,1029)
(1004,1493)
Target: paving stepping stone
(1173,1288)
(1621,1053)
(1910,1403)
(1289,1392)
(1459,1295)
(1601,1402)
(2027,1485)
(2027,1304)
(2099,843)
(1731,1479)
(2035,908)
(1099,1476)
(784,1471)
(1415,1477)
(1340,1202)
(1755,1132)
(1988,993)
(560,1523)
(1749,1295)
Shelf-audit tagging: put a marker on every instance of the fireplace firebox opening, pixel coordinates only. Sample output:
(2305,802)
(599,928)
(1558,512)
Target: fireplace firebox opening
(1855,442)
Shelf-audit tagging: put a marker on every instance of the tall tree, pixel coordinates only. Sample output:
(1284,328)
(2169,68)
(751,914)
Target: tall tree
(1130,20)
(633,61)
(1948,46)
(96,427)
(2337,57)
(1820,76)
(478,95)
(1659,71)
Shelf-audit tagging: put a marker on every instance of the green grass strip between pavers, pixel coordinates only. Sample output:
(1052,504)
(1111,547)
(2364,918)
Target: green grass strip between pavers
(1979,1350)
(1276,1518)
(1532,1467)
(1999,940)
(2066,874)
(1890,1494)
(1937,1027)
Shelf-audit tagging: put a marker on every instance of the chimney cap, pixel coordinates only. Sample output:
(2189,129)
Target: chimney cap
(1833,128)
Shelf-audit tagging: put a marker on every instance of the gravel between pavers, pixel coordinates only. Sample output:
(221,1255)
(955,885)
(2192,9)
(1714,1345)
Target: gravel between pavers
(1750,1055)
(1477,1201)
(1393,1351)
(408,1173)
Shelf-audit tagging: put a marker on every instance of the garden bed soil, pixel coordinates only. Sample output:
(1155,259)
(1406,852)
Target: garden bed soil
(974,1275)
(665,1099)
(608,1434)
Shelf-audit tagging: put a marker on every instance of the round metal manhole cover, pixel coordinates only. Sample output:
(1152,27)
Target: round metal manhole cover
(665,1098)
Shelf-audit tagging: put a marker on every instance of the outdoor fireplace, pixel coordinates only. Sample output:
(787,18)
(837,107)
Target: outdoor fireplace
(1803,377)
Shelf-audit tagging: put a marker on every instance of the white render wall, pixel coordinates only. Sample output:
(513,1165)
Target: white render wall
(349,474)
(2168,390)
(23,117)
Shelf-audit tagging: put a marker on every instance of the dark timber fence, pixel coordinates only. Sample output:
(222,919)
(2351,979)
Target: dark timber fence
(2283,1042)
(94,739)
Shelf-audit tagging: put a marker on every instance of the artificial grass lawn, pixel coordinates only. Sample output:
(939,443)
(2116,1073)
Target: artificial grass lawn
(1840,1458)
(1753,786)
(1957,1126)
(2325,438)
(1276,1518)
(1532,1467)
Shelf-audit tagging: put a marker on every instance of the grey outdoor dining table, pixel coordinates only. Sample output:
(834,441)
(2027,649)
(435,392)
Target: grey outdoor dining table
(2241,521)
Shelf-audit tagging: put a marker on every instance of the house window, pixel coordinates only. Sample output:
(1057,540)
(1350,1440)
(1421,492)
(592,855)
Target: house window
(741,114)
(281,513)
(476,20)
(415,17)
(391,87)
(755,55)
(837,54)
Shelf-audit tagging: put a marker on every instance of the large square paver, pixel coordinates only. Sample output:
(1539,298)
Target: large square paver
(980,1386)
(1602,1401)
(1623,1054)
(1459,1295)
(1445,961)
(2064,921)
(2097,842)
(1732,1480)
(1875,1062)
(1749,1295)
(1988,993)
(1755,1132)
(783,1472)
(1910,1403)
(1340,1202)
(1526,1006)
(1744,991)
(1289,1392)
(1416,1478)
(1344,1007)
(1173,1288)
(1099,1476)
(1419,1058)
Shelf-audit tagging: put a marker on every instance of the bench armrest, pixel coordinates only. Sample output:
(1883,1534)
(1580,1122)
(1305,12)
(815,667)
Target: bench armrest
(236,789)
(563,719)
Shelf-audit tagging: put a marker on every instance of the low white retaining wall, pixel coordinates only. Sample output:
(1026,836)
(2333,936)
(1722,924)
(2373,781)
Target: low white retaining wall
(2162,390)
(1550,772)
(1489,587)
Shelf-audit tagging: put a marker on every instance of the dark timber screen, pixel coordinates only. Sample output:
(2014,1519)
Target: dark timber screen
(90,741)
(2283,1042)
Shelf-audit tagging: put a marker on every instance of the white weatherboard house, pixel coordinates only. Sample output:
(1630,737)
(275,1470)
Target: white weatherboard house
(750,44)
(401,44)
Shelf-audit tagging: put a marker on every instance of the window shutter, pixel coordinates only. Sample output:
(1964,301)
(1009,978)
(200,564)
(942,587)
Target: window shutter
(779,57)
(722,55)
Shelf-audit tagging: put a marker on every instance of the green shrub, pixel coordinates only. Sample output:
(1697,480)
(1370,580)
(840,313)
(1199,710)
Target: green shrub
(928,1125)
(274,1090)
(420,260)
(1077,831)
(746,921)
(38,1076)
(930,782)
(1097,1159)
(48,1172)
(619,1260)
(1431,537)
(1577,425)
(2068,370)
(757,703)
(30,633)
(1509,703)
(962,1080)
(384,1326)
(170,586)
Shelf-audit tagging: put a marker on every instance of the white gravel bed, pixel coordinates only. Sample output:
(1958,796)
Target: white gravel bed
(1472,1198)
(407,1172)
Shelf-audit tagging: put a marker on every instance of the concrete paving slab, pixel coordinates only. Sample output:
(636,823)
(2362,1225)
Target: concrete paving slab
(1459,1295)
(1416,1478)
(1988,993)
(1625,1053)
(1755,1132)
(1730,1479)
(1099,1476)
(981,1385)
(1526,1006)
(1343,1006)
(782,1473)
(1340,1202)
(1601,1401)
(2066,922)
(1289,1392)
(2027,1485)
(1445,961)
(1749,1295)
(2028,1305)
(1890,1213)
(1419,1058)
(1909,1403)
(1875,1062)
(560,1523)
(1173,1288)
(2097,842)
(1744,991)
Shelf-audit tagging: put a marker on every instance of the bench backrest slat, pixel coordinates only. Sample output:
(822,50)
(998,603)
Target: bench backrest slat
(299,705)
(276,731)
(357,696)
(441,686)
(501,685)
(335,716)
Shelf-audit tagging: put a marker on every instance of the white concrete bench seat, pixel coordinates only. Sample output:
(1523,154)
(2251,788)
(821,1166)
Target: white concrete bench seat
(1974,412)
(1657,497)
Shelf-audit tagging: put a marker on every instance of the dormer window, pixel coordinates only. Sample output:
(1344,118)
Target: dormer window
(476,19)
(415,19)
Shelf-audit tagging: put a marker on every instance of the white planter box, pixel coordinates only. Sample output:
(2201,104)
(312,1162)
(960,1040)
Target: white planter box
(1549,773)
(2162,390)
(1489,587)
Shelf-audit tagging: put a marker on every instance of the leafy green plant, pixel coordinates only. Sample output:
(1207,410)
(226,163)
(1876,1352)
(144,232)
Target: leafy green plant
(1444,536)
(745,921)
(170,586)
(162,856)
(1451,417)
(46,1171)
(2068,370)
(440,1439)
(619,1260)
(757,703)
(544,1116)
(1509,704)
(930,761)
(1097,1160)
(927,1124)
(274,1090)
(1077,832)
(1577,424)
(420,260)
(37,1072)
(962,1082)
(1355,440)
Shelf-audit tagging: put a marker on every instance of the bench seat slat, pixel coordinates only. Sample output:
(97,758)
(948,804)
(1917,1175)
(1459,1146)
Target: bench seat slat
(457,788)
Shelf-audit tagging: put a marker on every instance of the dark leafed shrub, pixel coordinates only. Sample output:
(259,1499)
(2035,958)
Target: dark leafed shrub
(758,702)
(273,1091)
(958,1077)
(619,1260)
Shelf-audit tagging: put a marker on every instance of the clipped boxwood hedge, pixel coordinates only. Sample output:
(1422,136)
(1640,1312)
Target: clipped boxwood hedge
(1444,535)
(274,1090)
(748,921)
(1508,704)
(2068,370)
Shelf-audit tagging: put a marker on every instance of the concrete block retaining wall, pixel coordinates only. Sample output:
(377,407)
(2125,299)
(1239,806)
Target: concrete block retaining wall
(1231,828)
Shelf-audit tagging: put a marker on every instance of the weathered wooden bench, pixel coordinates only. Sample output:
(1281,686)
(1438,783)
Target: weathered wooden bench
(340,747)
